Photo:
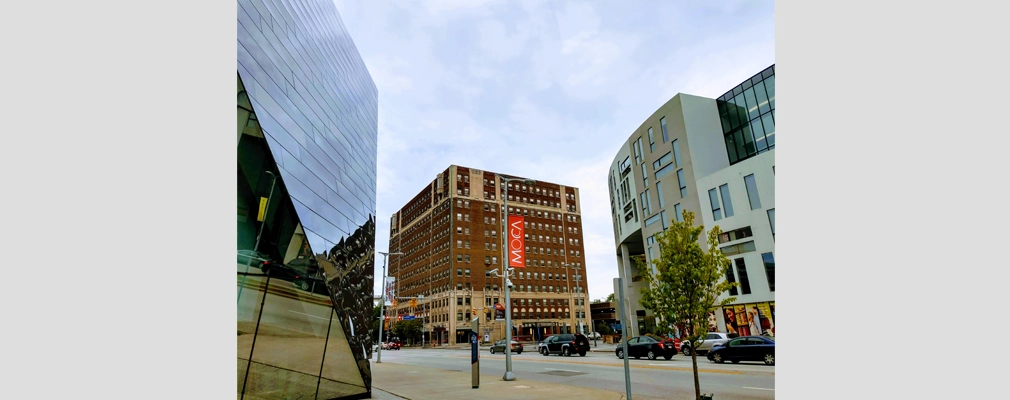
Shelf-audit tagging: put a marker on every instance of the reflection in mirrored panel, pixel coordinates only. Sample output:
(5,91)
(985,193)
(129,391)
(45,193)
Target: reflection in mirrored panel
(306,205)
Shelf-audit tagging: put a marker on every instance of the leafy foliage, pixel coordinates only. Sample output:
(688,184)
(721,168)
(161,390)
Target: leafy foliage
(410,329)
(687,280)
(610,298)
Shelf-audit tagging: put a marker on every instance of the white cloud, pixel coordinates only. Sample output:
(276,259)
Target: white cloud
(541,88)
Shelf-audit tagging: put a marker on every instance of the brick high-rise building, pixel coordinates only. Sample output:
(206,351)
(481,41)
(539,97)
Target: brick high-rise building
(451,235)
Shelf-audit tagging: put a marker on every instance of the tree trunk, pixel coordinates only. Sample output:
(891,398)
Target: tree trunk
(697,386)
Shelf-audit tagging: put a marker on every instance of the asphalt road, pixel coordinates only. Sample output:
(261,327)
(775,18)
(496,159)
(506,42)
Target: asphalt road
(603,370)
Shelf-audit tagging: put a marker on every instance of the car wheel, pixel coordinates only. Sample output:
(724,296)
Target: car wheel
(492,350)
(265,269)
(582,354)
(304,285)
(543,350)
(718,358)
(518,353)
(686,350)
(567,352)
(668,356)
(770,359)
(620,353)
(651,355)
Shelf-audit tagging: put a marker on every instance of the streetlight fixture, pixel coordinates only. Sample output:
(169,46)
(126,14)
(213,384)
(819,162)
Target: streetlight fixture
(506,273)
(256,247)
(382,304)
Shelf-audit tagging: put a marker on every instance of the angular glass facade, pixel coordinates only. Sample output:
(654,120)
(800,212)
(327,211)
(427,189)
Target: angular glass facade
(747,113)
(307,137)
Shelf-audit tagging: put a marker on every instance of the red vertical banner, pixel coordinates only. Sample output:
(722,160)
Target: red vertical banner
(515,234)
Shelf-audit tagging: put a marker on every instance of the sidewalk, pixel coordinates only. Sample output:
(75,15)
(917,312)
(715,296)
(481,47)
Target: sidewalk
(392,381)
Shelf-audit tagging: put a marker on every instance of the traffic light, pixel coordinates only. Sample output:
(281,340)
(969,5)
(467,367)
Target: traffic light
(387,324)
(474,312)
(394,302)
(413,302)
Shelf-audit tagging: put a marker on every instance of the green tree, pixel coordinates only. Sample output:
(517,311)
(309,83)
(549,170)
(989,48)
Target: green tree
(604,329)
(410,329)
(687,281)
(610,297)
(375,322)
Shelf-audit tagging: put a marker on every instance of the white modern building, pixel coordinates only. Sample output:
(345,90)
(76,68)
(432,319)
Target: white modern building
(716,158)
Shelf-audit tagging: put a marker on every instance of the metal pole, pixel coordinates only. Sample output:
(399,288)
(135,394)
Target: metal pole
(624,341)
(382,304)
(382,309)
(509,376)
(259,236)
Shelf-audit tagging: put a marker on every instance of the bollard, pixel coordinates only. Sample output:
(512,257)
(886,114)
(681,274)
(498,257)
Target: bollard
(474,356)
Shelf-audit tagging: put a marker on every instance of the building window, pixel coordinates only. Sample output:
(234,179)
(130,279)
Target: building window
(459,272)
(663,171)
(679,211)
(769,261)
(638,150)
(771,221)
(730,279)
(662,217)
(727,203)
(713,199)
(467,272)
(752,192)
(665,159)
(652,142)
(676,153)
(741,271)
(682,182)
(662,124)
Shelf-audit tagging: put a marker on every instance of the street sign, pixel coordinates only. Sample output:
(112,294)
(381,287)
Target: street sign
(408,317)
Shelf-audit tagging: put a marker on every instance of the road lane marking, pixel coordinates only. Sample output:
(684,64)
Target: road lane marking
(566,370)
(308,315)
(745,387)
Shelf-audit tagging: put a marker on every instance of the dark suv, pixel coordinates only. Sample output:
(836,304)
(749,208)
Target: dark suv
(565,344)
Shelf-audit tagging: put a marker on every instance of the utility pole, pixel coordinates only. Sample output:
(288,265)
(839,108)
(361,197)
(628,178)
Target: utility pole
(382,304)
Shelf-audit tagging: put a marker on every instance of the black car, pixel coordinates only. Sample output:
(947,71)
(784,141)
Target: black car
(745,348)
(565,344)
(312,283)
(293,270)
(644,346)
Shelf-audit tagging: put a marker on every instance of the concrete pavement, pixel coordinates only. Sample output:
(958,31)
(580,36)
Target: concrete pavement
(392,381)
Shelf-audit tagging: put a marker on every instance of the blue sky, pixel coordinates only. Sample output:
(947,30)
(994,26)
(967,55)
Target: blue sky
(544,89)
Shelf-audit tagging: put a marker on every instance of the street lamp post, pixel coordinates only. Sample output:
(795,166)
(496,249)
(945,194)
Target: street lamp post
(382,304)
(509,376)
(256,247)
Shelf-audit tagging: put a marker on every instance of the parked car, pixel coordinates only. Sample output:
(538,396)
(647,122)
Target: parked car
(594,335)
(499,347)
(674,342)
(644,346)
(564,344)
(313,283)
(712,339)
(745,348)
(391,346)
(253,258)
(293,270)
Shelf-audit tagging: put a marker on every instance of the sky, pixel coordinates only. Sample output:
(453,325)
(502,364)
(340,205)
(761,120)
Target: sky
(548,90)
